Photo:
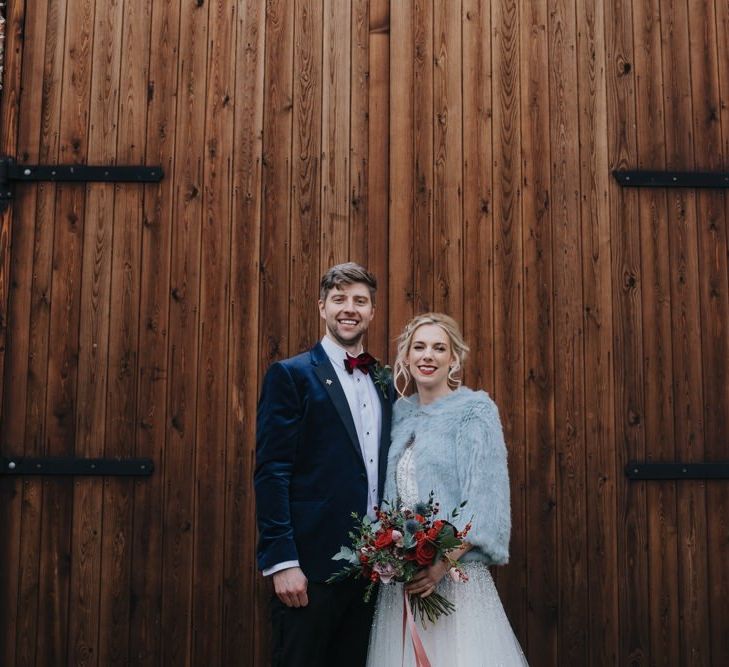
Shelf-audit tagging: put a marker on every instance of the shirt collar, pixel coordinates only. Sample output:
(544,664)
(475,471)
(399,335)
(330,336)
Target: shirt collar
(334,351)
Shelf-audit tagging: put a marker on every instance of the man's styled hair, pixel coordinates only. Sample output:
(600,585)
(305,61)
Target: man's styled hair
(347,274)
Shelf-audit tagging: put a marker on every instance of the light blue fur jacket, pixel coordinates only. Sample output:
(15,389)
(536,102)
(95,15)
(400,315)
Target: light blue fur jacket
(459,454)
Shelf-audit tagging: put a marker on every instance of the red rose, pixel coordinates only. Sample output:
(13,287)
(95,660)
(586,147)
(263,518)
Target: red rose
(425,553)
(383,539)
(363,558)
(420,518)
(433,533)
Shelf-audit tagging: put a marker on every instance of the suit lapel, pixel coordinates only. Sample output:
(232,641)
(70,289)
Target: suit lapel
(328,376)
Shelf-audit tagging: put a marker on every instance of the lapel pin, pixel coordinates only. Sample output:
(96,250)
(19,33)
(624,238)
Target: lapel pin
(328,381)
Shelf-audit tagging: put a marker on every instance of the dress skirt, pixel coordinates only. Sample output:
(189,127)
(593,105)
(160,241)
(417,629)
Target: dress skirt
(476,634)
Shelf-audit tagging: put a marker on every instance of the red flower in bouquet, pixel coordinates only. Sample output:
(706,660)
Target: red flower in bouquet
(425,552)
(400,543)
(383,539)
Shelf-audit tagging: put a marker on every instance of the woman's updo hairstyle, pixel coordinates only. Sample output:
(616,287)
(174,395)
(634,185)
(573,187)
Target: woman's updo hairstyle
(402,377)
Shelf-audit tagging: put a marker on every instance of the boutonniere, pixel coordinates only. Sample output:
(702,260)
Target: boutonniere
(382,377)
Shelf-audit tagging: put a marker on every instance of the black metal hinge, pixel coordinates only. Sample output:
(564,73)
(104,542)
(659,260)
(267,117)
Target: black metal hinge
(677,470)
(74,466)
(671,179)
(10,173)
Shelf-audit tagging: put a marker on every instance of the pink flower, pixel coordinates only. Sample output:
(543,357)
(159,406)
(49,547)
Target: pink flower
(397,538)
(457,575)
(385,570)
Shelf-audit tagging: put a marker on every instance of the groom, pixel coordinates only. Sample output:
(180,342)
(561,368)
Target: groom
(323,432)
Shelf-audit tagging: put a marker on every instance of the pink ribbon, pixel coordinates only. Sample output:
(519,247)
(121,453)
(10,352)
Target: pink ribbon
(421,657)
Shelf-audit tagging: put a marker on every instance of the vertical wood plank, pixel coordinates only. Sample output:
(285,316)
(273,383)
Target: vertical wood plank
(423,112)
(569,380)
(94,334)
(15,291)
(541,516)
(38,139)
(335,125)
(378,169)
(478,222)
(627,336)
(122,396)
(402,155)
(694,640)
(273,314)
(183,343)
(448,159)
(277,147)
(712,229)
(359,133)
(242,624)
(212,384)
(508,290)
(661,499)
(55,624)
(722,434)
(693,595)
(145,628)
(601,467)
(306,208)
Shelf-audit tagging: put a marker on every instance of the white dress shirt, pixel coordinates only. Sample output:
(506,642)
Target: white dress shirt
(364,405)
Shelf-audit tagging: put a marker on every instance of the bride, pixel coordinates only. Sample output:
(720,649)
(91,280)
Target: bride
(448,439)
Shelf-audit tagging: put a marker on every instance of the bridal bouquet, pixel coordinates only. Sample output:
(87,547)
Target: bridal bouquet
(398,544)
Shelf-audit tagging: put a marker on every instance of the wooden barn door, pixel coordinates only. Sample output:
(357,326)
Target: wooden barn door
(136,319)
(119,336)
(462,150)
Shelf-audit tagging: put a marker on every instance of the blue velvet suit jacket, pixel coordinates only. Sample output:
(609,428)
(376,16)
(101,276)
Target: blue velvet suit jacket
(310,475)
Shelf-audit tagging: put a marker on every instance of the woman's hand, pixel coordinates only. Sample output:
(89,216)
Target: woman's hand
(425,581)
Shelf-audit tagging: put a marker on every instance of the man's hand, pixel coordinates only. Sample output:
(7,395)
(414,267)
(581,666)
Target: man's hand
(290,586)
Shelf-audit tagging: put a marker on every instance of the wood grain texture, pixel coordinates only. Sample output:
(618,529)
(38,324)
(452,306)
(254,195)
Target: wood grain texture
(657,352)
(359,135)
(448,158)
(183,351)
(423,129)
(508,302)
(212,380)
(569,335)
(152,372)
(688,397)
(335,137)
(57,622)
(15,289)
(539,341)
(601,469)
(124,313)
(400,283)
(714,299)
(93,343)
(245,622)
(306,163)
(462,150)
(378,170)
(38,137)
(478,222)
(627,339)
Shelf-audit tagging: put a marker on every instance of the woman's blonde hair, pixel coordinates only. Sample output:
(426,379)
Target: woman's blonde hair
(402,377)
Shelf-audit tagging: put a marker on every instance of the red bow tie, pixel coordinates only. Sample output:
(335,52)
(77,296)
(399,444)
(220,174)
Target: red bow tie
(363,362)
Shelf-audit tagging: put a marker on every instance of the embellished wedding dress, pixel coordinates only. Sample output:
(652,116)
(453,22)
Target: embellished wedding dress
(477,634)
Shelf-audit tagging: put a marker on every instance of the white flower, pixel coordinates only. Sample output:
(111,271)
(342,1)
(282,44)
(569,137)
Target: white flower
(386,571)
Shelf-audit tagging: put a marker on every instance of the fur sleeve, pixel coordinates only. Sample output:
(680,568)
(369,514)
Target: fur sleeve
(484,479)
